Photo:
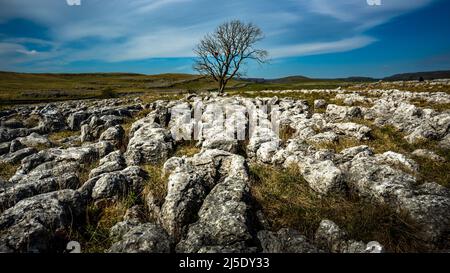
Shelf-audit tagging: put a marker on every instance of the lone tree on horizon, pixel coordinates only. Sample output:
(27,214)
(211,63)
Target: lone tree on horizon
(222,54)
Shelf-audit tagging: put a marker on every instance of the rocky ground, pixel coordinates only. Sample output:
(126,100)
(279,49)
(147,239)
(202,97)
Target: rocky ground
(351,171)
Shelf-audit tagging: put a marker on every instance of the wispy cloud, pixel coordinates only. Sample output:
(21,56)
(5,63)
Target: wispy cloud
(322,47)
(7,49)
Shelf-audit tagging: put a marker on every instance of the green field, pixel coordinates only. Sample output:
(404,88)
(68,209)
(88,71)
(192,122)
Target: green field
(17,88)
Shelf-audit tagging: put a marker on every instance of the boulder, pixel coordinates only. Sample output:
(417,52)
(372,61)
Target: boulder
(323,177)
(325,137)
(223,220)
(50,176)
(115,135)
(34,140)
(74,120)
(33,224)
(319,104)
(144,238)
(340,113)
(17,156)
(190,183)
(110,163)
(350,129)
(149,144)
(427,204)
(118,184)
(331,238)
(285,241)
(424,153)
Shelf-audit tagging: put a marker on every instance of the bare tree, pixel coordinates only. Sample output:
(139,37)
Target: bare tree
(222,54)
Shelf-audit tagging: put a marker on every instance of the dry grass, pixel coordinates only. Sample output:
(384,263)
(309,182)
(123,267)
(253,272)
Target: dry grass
(381,140)
(86,168)
(7,170)
(187,148)
(433,171)
(32,121)
(155,96)
(58,136)
(436,106)
(93,235)
(288,201)
(286,133)
(156,183)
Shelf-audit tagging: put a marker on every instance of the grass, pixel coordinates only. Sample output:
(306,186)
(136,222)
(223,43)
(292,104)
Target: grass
(32,121)
(58,136)
(296,84)
(156,183)
(186,148)
(7,170)
(94,234)
(436,106)
(287,201)
(432,171)
(382,139)
(86,168)
(18,88)
(108,93)
(286,133)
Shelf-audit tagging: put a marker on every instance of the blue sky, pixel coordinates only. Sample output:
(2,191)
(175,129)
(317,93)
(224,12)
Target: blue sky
(316,38)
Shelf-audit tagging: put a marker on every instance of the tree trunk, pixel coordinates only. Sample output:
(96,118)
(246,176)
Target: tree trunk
(221,87)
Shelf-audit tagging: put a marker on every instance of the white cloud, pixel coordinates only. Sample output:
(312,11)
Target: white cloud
(28,52)
(7,49)
(322,47)
(363,14)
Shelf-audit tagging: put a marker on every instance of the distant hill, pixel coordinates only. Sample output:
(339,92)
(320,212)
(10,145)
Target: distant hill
(289,79)
(296,79)
(358,79)
(433,75)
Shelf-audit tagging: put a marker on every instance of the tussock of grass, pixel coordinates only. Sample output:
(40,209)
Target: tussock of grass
(7,170)
(320,110)
(156,183)
(58,136)
(108,93)
(187,148)
(382,139)
(86,168)
(286,133)
(93,235)
(287,201)
(433,171)
(32,121)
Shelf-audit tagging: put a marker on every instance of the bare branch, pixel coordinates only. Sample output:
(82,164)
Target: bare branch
(222,53)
